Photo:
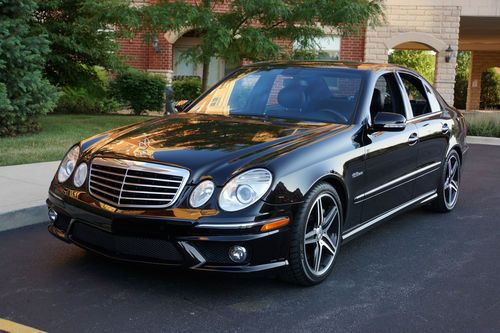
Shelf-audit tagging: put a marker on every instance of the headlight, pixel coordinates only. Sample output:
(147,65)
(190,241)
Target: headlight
(68,164)
(245,189)
(201,194)
(80,175)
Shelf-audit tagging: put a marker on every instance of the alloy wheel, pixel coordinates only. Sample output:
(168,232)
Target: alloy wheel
(321,236)
(452,180)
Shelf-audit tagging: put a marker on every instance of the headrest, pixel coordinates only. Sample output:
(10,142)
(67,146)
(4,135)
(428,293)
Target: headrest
(292,96)
(377,104)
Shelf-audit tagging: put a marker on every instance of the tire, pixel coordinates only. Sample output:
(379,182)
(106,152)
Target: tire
(449,187)
(308,241)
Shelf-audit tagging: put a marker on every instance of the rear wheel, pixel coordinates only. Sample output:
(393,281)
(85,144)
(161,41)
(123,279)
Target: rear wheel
(449,187)
(315,239)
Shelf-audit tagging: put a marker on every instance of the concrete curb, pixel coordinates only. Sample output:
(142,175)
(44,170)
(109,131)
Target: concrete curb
(38,214)
(23,217)
(483,140)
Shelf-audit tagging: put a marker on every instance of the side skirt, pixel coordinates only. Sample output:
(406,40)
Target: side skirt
(418,200)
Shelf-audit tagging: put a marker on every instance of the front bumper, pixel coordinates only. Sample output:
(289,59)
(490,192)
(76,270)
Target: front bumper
(198,245)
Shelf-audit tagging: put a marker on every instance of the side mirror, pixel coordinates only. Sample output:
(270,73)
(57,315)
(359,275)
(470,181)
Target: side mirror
(181,105)
(389,122)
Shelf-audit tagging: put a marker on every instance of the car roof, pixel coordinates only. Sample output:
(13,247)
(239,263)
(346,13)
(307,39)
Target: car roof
(366,66)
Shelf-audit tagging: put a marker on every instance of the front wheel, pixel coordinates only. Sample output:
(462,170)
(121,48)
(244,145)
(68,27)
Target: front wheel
(315,237)
(449,186)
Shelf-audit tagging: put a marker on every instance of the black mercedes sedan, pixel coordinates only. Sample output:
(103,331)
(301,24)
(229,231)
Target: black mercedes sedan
(274,168)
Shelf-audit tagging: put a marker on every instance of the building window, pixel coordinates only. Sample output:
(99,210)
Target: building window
(329,48)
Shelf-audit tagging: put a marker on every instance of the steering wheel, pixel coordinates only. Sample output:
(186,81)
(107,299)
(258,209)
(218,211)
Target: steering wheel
(336,113)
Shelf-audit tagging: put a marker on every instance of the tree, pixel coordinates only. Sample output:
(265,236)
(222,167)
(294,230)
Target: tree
(82,35)
(252,29)
(490,88)
(462,79)
(420,61)
(24,93)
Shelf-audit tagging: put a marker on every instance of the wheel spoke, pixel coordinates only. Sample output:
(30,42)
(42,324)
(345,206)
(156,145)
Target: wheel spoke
(318,251)
(319,213)
(330,217)
(310,237)
(454,186)
(450,195)
(454,170)
(328,244)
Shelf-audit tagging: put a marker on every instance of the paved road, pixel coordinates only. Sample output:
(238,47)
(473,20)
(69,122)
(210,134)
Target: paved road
(420,272)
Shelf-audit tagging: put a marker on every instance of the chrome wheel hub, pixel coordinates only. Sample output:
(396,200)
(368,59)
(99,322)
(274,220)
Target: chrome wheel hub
(452,180)
(321,236)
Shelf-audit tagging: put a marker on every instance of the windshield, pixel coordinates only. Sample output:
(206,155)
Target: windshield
(301,93)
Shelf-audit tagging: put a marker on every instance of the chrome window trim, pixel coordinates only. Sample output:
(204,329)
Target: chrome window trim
(425,116)
(364,196)
(420,199)
(138,166)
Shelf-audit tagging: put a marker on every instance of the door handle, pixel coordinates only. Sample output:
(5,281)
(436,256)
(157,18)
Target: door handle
(445,129)
(413,139)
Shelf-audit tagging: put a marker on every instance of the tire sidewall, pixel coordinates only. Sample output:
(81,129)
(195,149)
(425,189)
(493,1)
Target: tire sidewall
(300,225)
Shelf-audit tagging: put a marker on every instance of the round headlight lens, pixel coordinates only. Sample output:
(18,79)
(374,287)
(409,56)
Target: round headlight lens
(201,194)
(245,189)
(68,164)
(80,175)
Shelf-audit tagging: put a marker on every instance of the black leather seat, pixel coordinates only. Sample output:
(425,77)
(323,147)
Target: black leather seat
(293,97)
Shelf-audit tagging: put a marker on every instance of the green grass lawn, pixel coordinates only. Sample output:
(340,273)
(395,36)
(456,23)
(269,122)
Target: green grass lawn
(59,133)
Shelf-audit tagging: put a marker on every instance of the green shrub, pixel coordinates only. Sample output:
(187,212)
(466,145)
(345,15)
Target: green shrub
(483,123)
(80,101)
(140,90)
(189,89)
(24,93)
(490,89)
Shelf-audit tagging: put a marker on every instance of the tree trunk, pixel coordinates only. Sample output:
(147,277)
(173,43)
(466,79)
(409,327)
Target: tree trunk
(204,79)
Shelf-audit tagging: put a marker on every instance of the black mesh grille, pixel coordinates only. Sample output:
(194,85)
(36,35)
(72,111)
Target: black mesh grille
(126,247)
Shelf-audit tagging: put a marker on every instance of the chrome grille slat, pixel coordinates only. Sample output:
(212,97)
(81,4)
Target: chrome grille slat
(105,192)
(155,179)
(124,183)
(109,172)
(148,185)
(147,192)
(108,186)
(107,179)
(144,199)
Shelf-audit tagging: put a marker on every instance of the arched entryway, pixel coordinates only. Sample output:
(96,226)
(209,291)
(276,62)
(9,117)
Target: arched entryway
(417,56)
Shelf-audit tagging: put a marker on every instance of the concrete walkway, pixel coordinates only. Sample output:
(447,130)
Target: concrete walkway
(26,185)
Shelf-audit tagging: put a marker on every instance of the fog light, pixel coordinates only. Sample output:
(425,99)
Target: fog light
(238,254)
(52,215)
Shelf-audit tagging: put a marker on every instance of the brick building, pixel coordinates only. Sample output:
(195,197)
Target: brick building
(435,25)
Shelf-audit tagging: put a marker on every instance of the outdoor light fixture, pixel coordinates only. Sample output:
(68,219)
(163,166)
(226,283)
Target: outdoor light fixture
(449,54)
(156,45)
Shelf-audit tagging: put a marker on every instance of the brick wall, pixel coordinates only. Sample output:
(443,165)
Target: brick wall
(352,48)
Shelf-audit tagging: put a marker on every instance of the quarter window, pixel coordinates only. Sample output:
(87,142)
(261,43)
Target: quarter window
(416,94)
(431,95)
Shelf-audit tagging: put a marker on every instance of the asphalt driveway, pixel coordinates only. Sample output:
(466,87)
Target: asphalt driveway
(420,272)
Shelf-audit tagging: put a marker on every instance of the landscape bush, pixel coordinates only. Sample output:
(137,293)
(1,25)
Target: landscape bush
(139,90)
(186,89)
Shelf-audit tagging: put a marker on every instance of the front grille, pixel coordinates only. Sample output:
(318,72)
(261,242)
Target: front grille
(135,248)
(134,184)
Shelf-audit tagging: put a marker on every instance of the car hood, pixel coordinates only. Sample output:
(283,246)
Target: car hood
(208,144)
